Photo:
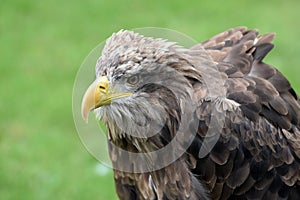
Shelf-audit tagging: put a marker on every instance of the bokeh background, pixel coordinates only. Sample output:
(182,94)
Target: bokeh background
(42,45)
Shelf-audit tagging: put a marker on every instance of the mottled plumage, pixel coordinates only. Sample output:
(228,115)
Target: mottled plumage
(257,153)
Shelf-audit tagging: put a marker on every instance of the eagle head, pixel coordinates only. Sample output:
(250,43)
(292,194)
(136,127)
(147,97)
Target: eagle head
(141,84)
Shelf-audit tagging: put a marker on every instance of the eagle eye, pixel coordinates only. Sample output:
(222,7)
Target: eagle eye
(132,80)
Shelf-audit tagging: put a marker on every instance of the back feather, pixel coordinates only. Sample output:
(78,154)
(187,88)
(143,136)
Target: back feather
(257,155)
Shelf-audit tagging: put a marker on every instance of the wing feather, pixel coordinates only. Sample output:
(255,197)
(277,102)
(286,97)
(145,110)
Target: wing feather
(265,162)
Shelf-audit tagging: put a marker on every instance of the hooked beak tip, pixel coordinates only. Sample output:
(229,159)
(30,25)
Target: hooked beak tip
(85,113)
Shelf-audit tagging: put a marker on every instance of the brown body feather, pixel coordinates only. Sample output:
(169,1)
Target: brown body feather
(264,163)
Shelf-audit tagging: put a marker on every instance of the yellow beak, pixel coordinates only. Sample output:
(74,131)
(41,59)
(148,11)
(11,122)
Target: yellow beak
(98,94)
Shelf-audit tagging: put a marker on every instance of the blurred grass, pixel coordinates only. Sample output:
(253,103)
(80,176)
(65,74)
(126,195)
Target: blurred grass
(42,45)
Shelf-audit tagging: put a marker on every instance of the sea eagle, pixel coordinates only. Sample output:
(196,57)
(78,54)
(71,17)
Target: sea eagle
(211,122)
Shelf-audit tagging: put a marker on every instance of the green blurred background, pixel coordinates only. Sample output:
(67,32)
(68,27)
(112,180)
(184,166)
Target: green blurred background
(42,45)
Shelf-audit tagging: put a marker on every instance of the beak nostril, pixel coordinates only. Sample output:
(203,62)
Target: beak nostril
(102,87)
